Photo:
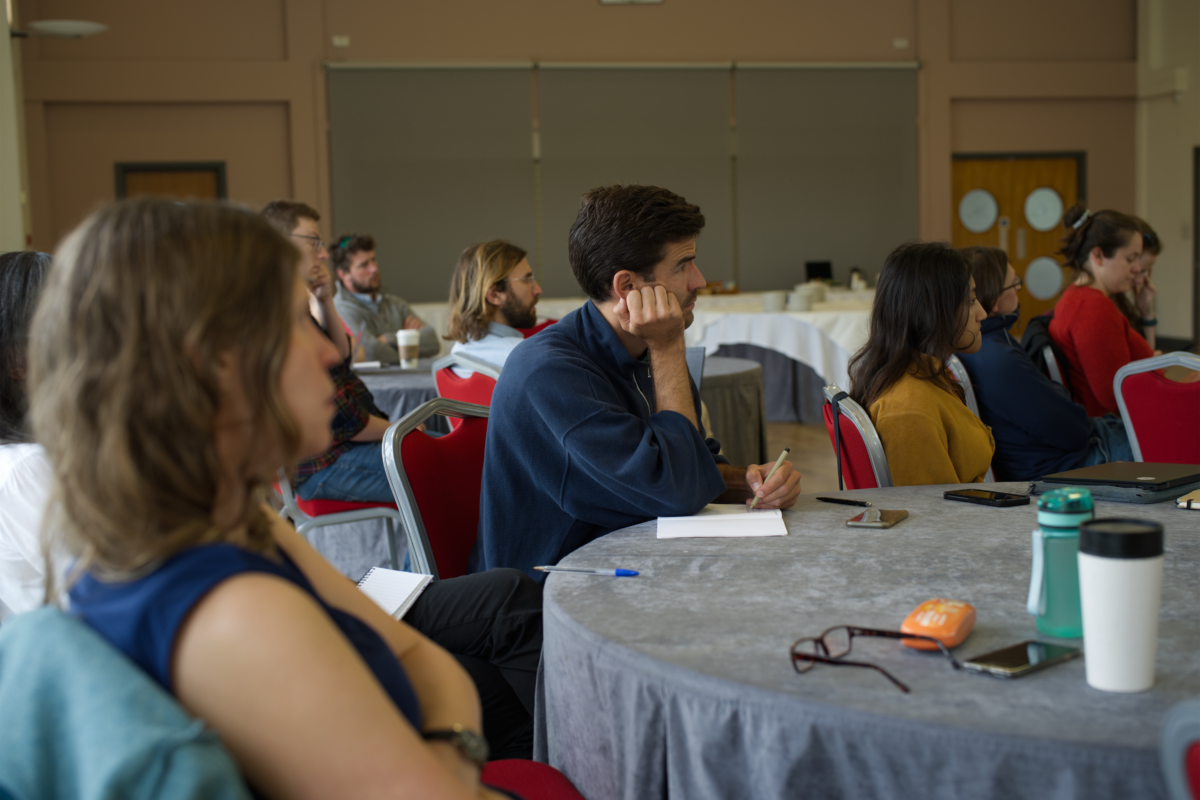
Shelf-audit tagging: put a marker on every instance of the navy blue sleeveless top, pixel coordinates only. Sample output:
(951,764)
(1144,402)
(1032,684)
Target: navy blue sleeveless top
(141,618)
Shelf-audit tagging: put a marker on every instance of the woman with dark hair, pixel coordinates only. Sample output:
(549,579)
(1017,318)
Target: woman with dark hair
(1038,429)
(24,473)
(1140,310)
(925,311)
(1103,248)
(174,367)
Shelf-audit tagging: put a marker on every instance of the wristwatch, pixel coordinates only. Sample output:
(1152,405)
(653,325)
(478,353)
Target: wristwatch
(472,745)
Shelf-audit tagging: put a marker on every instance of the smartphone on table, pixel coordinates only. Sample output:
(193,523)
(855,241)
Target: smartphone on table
(876,518)
(1021,659)
(987,498)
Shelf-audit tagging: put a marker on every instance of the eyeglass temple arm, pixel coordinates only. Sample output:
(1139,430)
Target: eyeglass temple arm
(837,662)
(899,635)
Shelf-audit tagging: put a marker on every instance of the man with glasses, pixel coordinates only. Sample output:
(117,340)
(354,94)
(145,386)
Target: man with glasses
(493,294)
(1038,429)
(363,305)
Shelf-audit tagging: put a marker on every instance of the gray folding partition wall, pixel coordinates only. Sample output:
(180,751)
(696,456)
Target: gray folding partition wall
(788,163)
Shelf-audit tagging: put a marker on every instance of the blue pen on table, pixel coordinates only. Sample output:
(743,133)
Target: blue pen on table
(612,573)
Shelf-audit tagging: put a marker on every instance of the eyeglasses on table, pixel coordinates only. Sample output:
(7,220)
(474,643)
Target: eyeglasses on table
(835,643)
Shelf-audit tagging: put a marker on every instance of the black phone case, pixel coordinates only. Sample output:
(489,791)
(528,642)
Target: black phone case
(1014,501)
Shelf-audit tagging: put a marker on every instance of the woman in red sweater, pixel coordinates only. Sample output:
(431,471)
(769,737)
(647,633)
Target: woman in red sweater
(1103,248)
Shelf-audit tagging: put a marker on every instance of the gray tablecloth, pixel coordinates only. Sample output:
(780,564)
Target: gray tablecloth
(678,683)
(732,389)
(792,391)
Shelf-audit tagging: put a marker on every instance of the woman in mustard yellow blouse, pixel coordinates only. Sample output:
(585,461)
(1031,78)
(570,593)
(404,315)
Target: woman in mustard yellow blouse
(925,311)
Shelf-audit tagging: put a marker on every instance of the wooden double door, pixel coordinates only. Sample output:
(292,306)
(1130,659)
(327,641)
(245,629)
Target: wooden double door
(1016,203)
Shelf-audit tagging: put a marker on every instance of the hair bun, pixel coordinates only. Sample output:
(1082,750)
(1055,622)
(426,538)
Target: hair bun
(1074,214)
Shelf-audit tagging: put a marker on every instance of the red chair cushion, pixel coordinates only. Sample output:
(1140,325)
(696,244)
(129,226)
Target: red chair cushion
(1165,416)
(856,461)
(541,326)
(319,508)
(1192,768)
(432,465)
(530,779)
(476,389)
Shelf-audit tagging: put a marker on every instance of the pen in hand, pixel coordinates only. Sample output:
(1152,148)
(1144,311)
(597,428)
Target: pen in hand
(771,474)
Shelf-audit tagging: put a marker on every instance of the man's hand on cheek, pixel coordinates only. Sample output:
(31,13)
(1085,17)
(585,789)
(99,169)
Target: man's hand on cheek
(652,314)
(779,492)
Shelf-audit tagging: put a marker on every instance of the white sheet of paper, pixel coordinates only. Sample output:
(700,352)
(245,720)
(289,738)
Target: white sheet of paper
(730,520)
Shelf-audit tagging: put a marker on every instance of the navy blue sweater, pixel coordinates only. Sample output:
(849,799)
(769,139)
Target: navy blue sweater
(575,450)
(1038,429)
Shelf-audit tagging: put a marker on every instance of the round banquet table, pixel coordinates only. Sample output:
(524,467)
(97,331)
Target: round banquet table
(678,683)
(732,388)
(398,391)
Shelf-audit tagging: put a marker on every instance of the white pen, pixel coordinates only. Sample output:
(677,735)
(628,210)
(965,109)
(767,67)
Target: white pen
(771,474)
(612,573)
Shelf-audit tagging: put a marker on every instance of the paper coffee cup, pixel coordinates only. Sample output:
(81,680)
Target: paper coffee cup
(1120,588)
(800,301)
(774,302)
(409,344)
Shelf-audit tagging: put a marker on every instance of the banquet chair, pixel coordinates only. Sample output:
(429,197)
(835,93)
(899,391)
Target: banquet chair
(437,483)
(856,446)
(1179,750)
(80,720)
(308,515)
(476,389)
(1161,416)
(960,375)
(529,779)
(541,326)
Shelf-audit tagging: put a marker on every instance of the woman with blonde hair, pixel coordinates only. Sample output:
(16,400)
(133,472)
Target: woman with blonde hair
(493,293)
(173,368)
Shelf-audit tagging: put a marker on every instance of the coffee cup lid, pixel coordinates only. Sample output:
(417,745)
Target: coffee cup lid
(1114,537)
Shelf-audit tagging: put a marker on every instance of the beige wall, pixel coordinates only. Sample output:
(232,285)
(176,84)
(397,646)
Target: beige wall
(983,66)
(1168,131)
(84,140)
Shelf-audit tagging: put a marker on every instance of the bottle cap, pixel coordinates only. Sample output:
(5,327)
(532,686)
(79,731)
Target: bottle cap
(1121,538)
(1065,508)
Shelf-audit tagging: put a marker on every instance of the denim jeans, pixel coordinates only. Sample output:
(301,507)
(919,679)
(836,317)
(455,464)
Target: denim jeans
(357,476)
(1109,442)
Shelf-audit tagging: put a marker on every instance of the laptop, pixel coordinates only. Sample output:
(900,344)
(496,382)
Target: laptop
(1129,475)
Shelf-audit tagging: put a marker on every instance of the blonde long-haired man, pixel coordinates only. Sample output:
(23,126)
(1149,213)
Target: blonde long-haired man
(492,294)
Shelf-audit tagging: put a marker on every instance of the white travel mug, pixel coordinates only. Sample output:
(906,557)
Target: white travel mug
(409,344)
(1120,589)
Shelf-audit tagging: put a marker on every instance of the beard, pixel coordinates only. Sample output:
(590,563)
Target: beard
(370,286)
(519,316)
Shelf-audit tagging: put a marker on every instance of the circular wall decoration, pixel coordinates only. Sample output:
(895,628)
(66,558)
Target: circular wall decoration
(1043,278)
(978,210)
(1043,209)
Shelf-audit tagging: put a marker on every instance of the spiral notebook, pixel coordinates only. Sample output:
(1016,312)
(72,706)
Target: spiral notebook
(392,590)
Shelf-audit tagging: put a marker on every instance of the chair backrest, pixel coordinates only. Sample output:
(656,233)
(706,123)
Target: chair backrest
(78,719)
(863,463)
(1041,349)
(1052,368)
(541,326)
(291,509)
(959,373)
(437,482)
(1179,750)
(476,389)
(1161,416)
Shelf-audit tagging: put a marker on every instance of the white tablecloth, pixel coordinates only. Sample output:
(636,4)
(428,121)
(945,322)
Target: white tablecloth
(823,339)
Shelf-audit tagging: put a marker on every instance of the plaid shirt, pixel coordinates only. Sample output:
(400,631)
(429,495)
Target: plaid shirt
(354,405)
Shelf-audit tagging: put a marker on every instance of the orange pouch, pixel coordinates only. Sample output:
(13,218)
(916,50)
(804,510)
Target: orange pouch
(948,621)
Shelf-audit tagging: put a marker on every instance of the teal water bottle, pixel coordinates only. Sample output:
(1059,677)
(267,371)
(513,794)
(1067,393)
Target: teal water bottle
(1054,582)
